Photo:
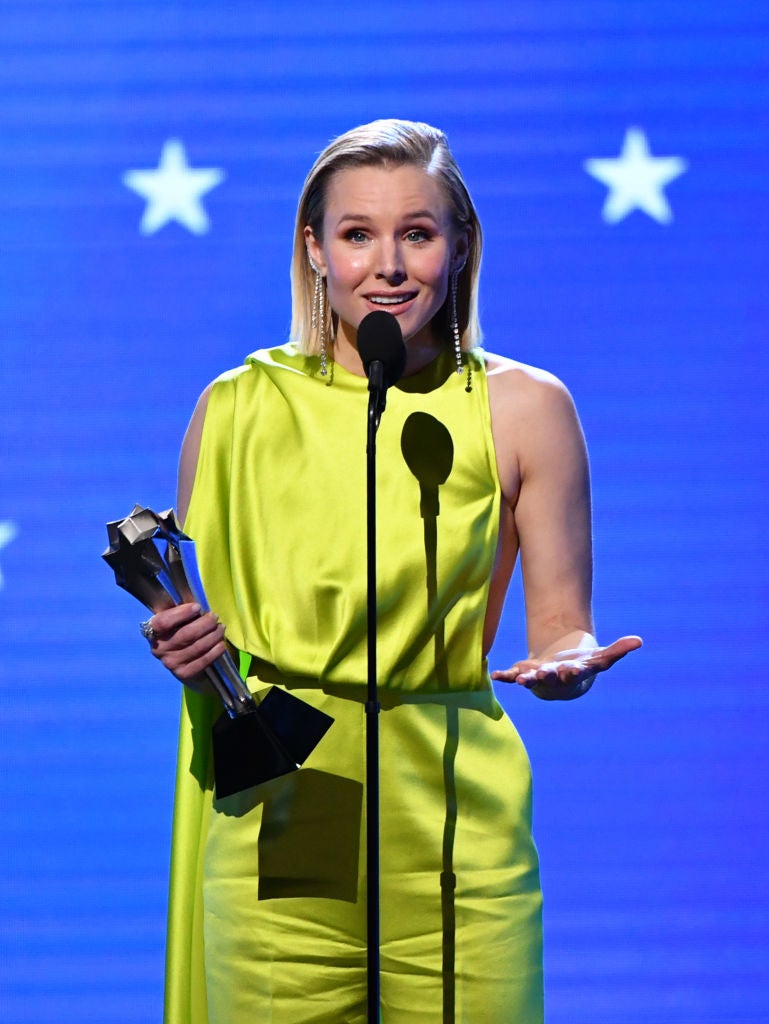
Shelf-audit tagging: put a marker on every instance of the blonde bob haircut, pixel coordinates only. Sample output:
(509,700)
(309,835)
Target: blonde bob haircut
(384,143)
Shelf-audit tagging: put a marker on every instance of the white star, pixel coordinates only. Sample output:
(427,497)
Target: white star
(174,190)
(636,179)
(8,532)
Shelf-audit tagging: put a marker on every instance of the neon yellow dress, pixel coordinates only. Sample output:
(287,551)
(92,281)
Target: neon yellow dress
(267,919)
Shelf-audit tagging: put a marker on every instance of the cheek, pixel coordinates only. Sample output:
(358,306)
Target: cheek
(433,268)
(346,271)
(436,274)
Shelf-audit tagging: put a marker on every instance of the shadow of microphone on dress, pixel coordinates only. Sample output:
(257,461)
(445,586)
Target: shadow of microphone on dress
(429,453)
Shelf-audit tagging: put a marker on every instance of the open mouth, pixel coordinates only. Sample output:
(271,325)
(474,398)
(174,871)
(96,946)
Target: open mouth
(391,300)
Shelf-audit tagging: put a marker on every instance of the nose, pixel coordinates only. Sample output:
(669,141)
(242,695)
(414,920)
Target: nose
(391,264)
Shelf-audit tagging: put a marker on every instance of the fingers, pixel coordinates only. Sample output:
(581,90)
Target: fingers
(167,621)
(627,644)
(530,672)
(604,657)
(186,641)
(511,675)
(555,673)
(568,667)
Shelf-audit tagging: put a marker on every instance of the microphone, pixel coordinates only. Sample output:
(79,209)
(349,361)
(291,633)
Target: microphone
(380,342)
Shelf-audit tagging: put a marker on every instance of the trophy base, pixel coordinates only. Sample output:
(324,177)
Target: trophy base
(270,741)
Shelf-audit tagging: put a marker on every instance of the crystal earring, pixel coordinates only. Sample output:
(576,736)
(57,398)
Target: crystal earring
(318,318)
(454,320)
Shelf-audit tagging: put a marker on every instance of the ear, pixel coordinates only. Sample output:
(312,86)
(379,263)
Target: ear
(461,248)
(314,249)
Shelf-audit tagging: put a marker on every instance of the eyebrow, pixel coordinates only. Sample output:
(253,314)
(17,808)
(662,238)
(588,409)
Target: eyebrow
(415,215)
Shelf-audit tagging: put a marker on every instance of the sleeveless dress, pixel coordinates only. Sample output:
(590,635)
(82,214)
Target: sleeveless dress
(267,916)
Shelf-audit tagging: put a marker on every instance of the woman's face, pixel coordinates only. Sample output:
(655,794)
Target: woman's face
(388,243)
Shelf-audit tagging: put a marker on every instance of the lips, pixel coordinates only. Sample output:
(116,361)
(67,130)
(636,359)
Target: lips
(391,300)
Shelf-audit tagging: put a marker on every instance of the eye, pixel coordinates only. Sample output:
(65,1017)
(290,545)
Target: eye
(418,235)
(356,235)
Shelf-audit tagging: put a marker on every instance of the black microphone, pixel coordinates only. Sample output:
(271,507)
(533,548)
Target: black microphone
(380,341)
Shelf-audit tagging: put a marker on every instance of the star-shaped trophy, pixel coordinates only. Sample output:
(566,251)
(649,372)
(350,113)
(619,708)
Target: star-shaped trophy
(252,742)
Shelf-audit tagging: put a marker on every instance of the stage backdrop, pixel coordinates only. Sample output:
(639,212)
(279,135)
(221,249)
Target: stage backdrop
(150,159)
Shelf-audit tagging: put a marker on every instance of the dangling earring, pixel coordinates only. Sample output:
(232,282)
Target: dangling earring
(318,318)
(454,320)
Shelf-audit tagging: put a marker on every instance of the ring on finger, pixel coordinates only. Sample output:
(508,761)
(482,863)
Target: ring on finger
(147,631)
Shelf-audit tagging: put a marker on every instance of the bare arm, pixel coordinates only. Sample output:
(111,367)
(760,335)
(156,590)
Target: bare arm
(188,460)
(545,479)
(186,641)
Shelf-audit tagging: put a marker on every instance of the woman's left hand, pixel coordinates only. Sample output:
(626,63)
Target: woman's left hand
(567,674)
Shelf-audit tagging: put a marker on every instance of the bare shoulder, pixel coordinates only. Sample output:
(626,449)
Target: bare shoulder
(513,374)
(520,390)
(533,420)
(188,459)
(195,427)
(202,403)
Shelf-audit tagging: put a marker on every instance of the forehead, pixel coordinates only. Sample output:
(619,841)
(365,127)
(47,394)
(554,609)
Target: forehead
(384,190)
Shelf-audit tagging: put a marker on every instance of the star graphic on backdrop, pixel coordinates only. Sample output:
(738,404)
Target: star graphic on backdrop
(173,191)
(8,532)
(636,179)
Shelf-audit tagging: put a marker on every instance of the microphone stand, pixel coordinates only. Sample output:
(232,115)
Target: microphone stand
(376,405)
(381,348)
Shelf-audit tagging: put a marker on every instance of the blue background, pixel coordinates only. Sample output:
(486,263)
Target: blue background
(651,810)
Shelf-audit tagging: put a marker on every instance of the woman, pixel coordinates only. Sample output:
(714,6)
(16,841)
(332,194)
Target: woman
(267,918)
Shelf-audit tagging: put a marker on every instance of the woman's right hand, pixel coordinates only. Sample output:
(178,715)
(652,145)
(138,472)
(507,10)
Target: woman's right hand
(187,642)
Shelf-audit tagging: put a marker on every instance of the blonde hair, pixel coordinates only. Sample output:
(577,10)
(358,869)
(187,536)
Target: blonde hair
(389,142)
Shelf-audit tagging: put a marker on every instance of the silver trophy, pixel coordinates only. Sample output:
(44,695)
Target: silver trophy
(252,742)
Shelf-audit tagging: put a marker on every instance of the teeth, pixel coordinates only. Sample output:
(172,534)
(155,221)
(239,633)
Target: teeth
(389,300)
